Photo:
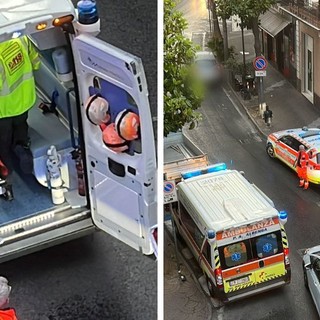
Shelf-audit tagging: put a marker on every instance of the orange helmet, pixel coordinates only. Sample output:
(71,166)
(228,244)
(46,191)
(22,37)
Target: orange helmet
(112,140)
(97,109)
(127,124)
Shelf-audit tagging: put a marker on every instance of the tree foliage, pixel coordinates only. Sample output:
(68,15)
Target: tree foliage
(183,94)
(249,12)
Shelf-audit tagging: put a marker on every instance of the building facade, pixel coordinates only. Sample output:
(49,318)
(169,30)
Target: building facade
(290,36)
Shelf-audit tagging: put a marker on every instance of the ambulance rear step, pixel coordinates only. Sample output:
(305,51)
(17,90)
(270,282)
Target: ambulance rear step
(40,223)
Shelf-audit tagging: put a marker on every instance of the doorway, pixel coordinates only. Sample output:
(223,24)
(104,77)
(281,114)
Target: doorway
(308,68)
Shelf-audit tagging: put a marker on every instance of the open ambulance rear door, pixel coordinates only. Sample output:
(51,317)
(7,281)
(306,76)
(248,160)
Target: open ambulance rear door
(122,185)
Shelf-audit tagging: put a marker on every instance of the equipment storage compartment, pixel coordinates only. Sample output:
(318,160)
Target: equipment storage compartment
(40,202)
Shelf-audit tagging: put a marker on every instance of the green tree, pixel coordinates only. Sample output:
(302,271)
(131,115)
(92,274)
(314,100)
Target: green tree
(249,12)
(183,94)
(224,11)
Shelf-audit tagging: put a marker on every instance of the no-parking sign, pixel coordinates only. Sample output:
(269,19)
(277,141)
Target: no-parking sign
(169,192)
(260,63)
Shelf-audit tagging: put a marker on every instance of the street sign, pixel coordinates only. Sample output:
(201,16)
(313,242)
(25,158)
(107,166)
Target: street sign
(169,192)
(262,73)
(260,63)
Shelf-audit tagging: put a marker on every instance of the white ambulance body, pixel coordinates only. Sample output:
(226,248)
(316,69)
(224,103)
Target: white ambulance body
(234,232)
(119,187)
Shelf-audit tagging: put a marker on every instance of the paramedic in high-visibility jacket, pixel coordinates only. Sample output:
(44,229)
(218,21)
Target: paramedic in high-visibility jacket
(18,60)
(5,312)
(302,167)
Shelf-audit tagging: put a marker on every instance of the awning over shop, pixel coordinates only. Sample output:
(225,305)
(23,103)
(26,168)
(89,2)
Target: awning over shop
(273,22)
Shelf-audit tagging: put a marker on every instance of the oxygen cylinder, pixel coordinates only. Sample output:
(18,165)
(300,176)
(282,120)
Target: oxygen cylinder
(62,64)
(54,175)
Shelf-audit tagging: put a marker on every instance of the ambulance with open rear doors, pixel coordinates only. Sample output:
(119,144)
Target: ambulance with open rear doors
(96,178)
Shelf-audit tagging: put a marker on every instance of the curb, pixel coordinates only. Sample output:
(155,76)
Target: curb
(245,109)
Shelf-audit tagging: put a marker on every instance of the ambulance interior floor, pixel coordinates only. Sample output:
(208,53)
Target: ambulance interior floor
(30,197)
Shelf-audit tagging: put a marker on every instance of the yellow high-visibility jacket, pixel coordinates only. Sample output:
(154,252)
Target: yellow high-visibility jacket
(18,59)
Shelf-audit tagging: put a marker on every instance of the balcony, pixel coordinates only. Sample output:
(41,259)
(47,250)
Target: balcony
(307,11)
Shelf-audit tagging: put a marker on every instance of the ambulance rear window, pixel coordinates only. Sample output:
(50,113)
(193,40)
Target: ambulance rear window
(251,249)
(266,245)
(235,254)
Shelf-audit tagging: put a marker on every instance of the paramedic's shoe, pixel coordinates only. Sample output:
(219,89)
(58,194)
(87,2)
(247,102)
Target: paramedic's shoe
(306,185)
(301,183)
(8,195)
(25,157)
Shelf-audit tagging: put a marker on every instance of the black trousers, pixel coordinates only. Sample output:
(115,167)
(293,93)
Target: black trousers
(13,131)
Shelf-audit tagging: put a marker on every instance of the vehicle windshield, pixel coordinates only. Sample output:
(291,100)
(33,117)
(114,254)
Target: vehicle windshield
(251,249)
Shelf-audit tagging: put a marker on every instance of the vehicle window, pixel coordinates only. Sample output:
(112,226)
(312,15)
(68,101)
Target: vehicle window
(266,245)
(235,254)
(207,252)
(251,249)
(295,144)
(289,141)
(313,258)
(285,140)
(192,228)
(316,268)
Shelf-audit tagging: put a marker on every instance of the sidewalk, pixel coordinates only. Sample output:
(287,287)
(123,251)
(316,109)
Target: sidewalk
(290,108)
(182,299)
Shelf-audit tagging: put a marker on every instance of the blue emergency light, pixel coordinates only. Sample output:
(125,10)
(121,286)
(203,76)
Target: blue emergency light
(213,168)
(283,215)
(211,234)
(87,12)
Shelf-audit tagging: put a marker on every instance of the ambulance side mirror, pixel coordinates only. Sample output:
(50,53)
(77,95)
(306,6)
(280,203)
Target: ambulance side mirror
(307,266)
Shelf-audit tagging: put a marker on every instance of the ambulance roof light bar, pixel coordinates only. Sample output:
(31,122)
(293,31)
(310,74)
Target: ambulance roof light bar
(209,169)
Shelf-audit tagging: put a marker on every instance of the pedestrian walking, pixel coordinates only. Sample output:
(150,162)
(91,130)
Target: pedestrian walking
(6,313)
(18,59)
(267,116)
(302,166)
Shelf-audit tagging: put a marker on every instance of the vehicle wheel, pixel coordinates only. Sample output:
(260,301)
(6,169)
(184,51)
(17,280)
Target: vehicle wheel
(305,278)
(270,151)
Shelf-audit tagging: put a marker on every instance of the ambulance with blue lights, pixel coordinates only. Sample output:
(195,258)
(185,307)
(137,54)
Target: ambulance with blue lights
(284,145)
(91,131)
(234,231)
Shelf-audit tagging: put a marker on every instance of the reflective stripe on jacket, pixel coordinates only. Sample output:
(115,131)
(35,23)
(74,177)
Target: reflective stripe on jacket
(18,59)
(8,314)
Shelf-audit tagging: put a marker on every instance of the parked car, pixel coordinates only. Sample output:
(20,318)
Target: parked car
(311,273)
(284,145)
(207,67)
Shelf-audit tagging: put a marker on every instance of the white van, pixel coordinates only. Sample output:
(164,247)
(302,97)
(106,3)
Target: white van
(234,231)
(103,188)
